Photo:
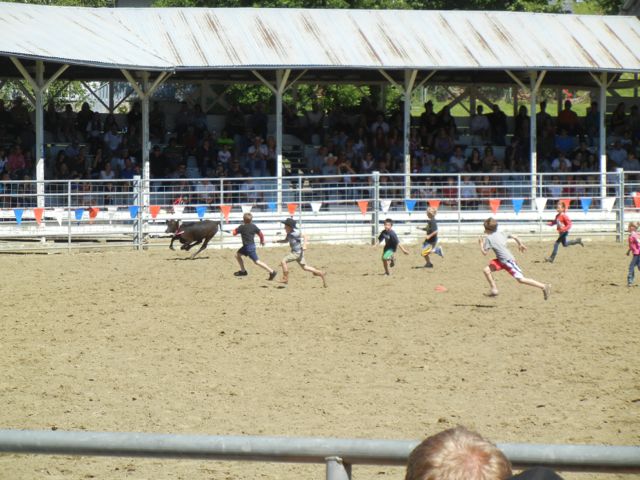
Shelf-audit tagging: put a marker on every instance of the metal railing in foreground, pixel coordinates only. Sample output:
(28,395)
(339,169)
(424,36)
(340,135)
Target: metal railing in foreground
(337,454)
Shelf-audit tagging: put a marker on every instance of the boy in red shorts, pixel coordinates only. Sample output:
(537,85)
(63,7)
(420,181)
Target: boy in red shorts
(497,241)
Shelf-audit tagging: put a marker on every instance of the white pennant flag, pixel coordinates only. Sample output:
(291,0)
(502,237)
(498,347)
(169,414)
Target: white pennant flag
(246,208)
(111,212)
(315,206)
(607,203)
(177,210)
(385,204)
(57,214)
(541,202)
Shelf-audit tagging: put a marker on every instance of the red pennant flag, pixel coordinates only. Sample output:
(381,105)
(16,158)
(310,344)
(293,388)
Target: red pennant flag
(226,210)
(38,212)
(494,203)
(566,201)
(434,204)
(364,206)
(155,210)
(292,207)
(93,212)
(636,199)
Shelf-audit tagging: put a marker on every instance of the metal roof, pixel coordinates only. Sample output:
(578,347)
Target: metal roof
(199,39)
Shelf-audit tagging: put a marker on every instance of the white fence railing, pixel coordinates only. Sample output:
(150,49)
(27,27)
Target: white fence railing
(345,208)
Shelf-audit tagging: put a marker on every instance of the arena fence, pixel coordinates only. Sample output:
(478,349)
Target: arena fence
(338,208)
(337,454)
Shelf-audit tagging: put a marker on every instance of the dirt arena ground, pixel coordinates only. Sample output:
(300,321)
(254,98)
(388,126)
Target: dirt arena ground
(143,341)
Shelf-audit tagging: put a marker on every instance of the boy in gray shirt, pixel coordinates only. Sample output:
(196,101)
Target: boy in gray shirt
(298,244)
(497,241)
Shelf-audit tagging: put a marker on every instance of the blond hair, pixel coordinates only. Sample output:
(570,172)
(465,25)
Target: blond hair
(247,218)
(457,454)
(634,225)
(491,224)
(432,211)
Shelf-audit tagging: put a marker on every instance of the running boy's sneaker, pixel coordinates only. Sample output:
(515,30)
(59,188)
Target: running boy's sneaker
(439,251)
(579,242)
(392,263)
(272,275)
(546,291)
(240,273)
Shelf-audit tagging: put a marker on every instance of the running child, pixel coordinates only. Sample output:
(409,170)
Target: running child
(430,244)
(563,224)
(391,244)
(497,241)
(248,231)
(298,244)
(634,248)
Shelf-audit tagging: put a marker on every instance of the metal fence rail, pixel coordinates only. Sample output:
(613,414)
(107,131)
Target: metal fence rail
(345,208)
(337,454)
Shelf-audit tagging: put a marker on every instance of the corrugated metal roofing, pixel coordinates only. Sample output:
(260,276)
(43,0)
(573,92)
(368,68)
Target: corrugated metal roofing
(200,39)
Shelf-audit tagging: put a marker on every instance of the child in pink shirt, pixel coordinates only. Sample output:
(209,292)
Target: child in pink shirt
(634,248)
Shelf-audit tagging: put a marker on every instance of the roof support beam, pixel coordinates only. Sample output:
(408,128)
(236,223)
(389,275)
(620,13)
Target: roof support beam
(145,92)
(282,76)
(390,79)
(516,79)
(39,86)
(409,82)
(90,90)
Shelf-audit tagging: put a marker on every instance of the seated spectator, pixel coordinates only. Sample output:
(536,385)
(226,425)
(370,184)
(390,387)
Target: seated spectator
(257,158)
(457,454)
(480,126)
(16,165)
(128,170)
(617,154)
(488,160)
(112,139)
(107,172)
(272,157)
(631,163)
(3,159)
(443,144)
(173,153)
(183,119)
(379,123)
(561,162)
(457,160)
(564,142)
(474,162)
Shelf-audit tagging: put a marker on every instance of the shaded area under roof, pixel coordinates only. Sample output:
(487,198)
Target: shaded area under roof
(224,45)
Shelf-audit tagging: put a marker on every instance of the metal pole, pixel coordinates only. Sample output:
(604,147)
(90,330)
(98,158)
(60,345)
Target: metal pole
(38,91)
(533,77)
(146,169)
(279,92)
(376,206)
(409,80)
(621,187)
(69,216)
(336,470)
(589,458)
(602,140)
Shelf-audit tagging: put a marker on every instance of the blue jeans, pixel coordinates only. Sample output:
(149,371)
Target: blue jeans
(635,262)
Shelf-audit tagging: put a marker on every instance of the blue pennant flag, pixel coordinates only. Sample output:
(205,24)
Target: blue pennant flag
(272,206)
(18,213)
(133,211)
(517,204)
(586,204)
(201,210)
(79,212)
(410,205)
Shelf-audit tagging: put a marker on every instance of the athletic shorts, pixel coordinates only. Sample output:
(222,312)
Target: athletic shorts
(249,251)
(387,254)
(427,248)
(510,266)
(295,257)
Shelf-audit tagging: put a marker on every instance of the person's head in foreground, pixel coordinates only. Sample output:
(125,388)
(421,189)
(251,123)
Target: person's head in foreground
(457,454)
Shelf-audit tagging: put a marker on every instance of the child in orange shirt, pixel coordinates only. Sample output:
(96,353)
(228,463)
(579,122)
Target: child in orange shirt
(563,224)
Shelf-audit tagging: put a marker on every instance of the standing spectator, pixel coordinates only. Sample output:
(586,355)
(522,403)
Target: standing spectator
(568,119)
(592,123)
(68,124)
(479,126)
(82,120)
(498,121)
(543,119)
(618,121)
(258,121)
(257,158)
(112,140)
(235,122)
